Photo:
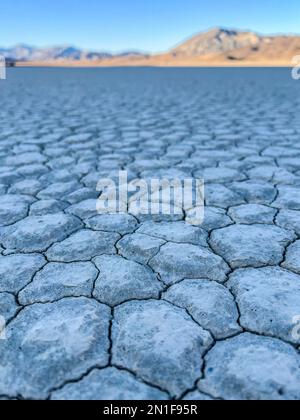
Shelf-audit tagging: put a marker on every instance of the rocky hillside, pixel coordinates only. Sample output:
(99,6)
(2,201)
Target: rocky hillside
(217,41)
(235,45)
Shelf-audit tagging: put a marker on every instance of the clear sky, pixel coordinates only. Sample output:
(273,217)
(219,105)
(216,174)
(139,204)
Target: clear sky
(148,25)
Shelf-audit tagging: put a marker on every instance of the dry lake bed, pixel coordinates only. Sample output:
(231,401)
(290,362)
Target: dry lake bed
(124,306)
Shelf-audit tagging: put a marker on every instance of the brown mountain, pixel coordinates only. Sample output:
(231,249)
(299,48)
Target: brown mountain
(217,47)
(229,45)
(216,41)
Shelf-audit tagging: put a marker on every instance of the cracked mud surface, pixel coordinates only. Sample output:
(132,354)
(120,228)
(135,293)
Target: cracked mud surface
(126,307)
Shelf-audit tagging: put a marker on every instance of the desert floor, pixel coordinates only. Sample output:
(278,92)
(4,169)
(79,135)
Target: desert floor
(125,306)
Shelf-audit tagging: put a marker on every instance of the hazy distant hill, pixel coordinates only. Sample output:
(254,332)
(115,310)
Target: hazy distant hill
(28,53)
(216,47)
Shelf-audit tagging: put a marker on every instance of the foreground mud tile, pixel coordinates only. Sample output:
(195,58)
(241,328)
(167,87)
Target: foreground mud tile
(269,300)
(60,177)
(255,192)
(16,271)
(251,246)
(220,175)
(121,280)
(83,246)
(291,163)
(48,344)
(217,195)
(109,384)
(175,262)
(209,303)
(58,280)
(250,367)
(289,219)
(250,214)
(214,218)
(9,177)
(180,232)
(160,343)
(13,208)
(141,211)
(292,258)
(24,159)
(44,207)
(118,223)
(288,198)
(80,195)
(139,247)
(85,209)
(37,233)
(8,307)
(34,170)
(284,177)
(58,190)
(28,186)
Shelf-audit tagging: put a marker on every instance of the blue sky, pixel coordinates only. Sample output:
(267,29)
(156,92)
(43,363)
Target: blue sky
(149,25)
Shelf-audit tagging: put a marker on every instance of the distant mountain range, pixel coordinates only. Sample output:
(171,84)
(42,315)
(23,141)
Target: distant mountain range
(217,46)
(23,52)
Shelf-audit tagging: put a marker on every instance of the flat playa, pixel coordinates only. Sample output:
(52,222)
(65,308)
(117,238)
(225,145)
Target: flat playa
(125,307)
(161,61)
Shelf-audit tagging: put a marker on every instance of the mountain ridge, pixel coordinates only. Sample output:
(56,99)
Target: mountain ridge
(217,45)
(216,40)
